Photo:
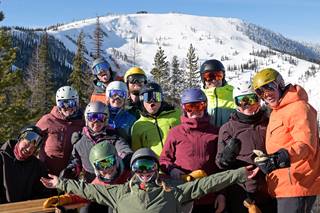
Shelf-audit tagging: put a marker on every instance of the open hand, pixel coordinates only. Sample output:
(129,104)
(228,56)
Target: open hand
(252,171)
(51,182)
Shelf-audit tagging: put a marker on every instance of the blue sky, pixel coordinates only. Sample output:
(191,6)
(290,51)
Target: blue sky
(296,19)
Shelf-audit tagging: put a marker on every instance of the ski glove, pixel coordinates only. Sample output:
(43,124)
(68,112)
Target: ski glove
(63,200)
(196,174)
(230,152)
(268,163)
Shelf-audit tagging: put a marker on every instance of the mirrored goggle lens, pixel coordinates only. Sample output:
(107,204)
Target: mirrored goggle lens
(68,103)
(119,93)
(32,137)
(270,87)
(105,163)
(100,67)
(151,97)
(93,117)
(197,106)
(142,165)
(246,100)
(134,79)
(213,75)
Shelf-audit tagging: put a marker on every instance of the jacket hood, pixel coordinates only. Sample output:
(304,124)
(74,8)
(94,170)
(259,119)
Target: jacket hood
(292,94)
(8,147)
(195,123)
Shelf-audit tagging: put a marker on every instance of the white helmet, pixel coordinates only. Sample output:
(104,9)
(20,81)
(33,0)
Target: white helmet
(67,92)
(243,88)
(96,107)
(117,85)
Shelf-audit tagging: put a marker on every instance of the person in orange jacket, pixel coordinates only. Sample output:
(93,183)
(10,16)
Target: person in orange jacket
(292,143)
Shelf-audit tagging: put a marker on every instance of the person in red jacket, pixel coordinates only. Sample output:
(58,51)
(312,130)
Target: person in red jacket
(64,119)
(192,145)
(292,143)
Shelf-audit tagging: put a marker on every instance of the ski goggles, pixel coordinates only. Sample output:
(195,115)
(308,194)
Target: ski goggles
(151,97)
(136,79)
(106,163)
(67,103)
(31,137)
(246,100)
(213,75)
(270,87)
(102,67)
(94,117)
(141,165)
(194,107)
(117,93)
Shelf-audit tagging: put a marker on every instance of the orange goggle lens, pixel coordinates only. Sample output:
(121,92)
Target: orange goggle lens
(197,106)
(213,75)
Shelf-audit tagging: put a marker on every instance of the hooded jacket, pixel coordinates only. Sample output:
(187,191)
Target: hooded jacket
(57,148)
(293,126)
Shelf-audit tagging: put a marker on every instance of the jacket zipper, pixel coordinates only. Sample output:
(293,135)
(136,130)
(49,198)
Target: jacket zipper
(158,130)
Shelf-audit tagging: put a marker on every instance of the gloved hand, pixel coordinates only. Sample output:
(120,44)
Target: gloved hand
(62,200)
(268,163)
(230,152)
(252,208)
(70,172)
(196,174)
(176,173)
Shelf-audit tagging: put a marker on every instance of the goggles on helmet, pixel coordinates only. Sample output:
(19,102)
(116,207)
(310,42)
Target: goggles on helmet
(94,117)
(195,106)
(213,75)
(106,163)
(119,93)
(151,97)
(270,87)
(246,100)
(67,103)
(102,67)
(147,165)
(136,79)
(31,137)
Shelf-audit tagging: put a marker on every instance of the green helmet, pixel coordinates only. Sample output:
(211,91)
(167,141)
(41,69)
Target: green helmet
(101,151)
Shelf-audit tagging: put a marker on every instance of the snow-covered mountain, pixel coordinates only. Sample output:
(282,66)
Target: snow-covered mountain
(231,40)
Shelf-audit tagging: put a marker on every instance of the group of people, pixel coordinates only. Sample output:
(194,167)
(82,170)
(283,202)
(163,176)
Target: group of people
(134,152)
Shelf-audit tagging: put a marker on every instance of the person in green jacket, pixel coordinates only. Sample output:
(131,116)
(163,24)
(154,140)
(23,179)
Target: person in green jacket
(146,192)
(157,118)
(218,92)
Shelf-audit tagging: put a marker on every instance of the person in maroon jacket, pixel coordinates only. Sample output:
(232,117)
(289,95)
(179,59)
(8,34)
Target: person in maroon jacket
(64,119)
(192,145)
(244,132)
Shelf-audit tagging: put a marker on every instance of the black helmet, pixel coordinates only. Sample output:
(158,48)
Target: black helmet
(212,65)
(32,132)
(143,153)
(151,87)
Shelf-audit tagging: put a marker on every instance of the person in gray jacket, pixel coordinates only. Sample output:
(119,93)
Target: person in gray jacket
(146,192)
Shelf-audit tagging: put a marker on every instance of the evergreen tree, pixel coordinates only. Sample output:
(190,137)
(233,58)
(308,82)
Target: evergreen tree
(98,40)
(176,80)
(80,78)
(192,75)
(160,71)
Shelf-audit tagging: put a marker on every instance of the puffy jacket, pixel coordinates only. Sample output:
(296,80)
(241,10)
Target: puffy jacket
(153,199)
(20,180)
(293,126)
(220,104)
(56,151)
(152,132)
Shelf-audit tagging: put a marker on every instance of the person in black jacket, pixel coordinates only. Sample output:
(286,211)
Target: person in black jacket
(20,170)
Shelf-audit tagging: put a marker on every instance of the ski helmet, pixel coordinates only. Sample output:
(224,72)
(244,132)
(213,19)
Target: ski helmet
(66,93)
(193,95)
(151,87)
(100,61)
(117,85)
(266,76)
(28,132)
(243,88)
(100,151)
(95,107)
(212,65)
(134,71)
(143,153)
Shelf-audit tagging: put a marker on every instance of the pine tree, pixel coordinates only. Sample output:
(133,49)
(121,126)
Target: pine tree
(80,77)
(98,39)
(160,71)
(192,75)
(176,80)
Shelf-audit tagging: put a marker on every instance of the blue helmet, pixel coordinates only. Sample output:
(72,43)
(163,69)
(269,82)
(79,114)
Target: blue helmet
(193,95)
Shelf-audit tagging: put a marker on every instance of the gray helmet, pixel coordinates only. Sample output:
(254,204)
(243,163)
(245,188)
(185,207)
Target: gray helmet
(100,61)
(143,153)
(101,151)
(96,107)
(67,92)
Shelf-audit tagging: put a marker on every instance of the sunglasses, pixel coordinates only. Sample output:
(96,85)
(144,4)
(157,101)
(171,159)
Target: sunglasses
(31,137)
(94,117)
(141,165)
(213,75)
(246,100)
(102,67)
(195,107)
(117,93)
(270,87)
(67,103)
(106,163)
(136,79)
(149,97)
